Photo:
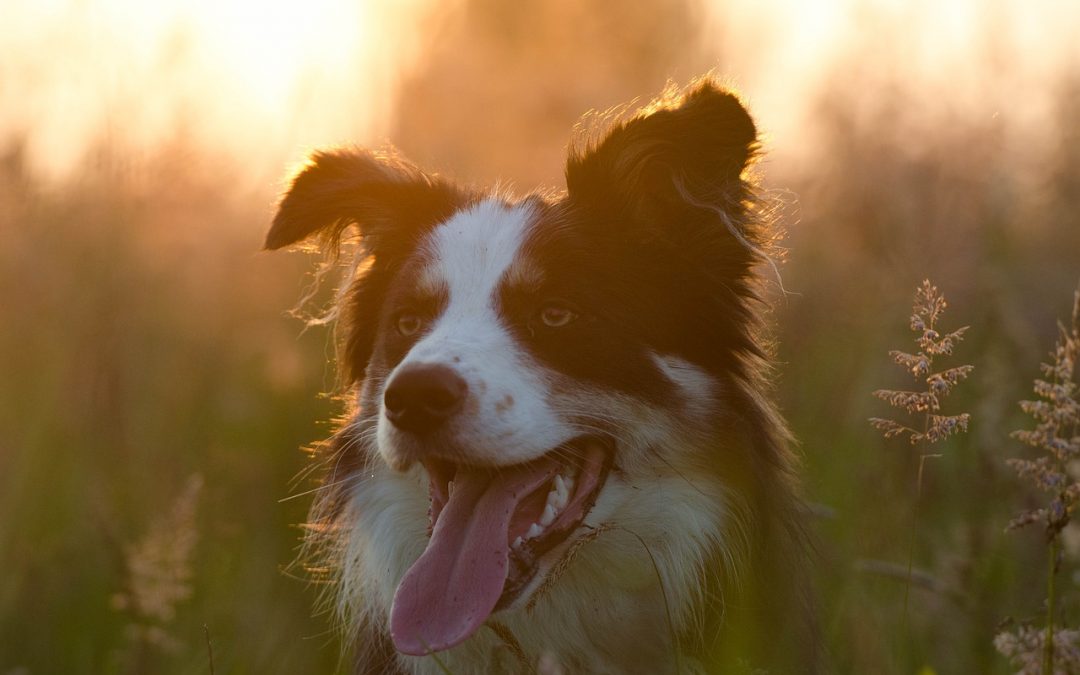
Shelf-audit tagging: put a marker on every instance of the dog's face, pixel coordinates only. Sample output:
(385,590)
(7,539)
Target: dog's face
(465,347)
(537,360)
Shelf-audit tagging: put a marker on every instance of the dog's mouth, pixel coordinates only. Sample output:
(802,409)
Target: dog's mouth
(490,529)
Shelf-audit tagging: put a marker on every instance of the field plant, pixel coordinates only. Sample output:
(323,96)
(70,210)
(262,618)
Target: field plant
(924,407)
(144,340)
(159,570)
(1056,436)
(927,311)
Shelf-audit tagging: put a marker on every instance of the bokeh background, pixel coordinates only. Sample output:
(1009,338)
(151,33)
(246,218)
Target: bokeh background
(154,394)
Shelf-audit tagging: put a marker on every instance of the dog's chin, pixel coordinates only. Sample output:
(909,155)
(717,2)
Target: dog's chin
(547,518)
(493,529)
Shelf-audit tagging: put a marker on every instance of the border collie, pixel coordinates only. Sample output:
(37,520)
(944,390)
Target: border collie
(559,451)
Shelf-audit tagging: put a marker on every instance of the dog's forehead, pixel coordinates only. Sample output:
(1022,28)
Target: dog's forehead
(472,252)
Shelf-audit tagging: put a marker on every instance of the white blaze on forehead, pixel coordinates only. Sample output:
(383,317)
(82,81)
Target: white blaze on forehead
(470,252)
(506,418)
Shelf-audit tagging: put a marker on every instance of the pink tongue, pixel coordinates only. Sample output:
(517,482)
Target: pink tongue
(453,587)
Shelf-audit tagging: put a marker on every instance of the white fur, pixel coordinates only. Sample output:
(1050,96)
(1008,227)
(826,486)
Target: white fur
(697,387)
(509,418)
(608,613)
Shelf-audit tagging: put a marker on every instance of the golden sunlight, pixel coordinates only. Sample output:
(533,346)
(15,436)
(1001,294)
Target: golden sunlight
(976,58)
(145,147)
(265,81)
(227,73)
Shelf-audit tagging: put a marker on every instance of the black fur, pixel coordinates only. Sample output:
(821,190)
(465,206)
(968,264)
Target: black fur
(391,202)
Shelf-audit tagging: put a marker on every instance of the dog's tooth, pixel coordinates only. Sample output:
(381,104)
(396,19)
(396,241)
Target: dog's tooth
(548,516)
(534,531)
(556,498)
(560,495)
(450,488)
(517,543)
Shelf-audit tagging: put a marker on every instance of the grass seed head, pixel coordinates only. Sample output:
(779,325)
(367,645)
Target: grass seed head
(1056,433)
(928,308)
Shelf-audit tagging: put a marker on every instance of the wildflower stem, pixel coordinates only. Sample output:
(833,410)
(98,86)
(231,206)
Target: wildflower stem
(937,426)
(914,528)
(911,552)
(1057,417)
(1048,649)
(209,648)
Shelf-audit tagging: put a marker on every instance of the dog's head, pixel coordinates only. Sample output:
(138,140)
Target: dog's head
(534,356)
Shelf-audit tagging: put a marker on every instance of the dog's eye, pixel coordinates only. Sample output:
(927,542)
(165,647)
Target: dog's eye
(409,324)
(557,316)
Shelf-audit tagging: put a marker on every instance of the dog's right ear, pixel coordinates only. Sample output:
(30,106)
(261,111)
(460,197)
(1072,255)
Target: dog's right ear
(386,197)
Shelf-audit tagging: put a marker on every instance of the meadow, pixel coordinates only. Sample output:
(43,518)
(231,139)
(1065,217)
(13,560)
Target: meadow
(155,394)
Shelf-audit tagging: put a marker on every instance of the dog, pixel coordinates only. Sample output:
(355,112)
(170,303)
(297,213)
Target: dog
(559,450)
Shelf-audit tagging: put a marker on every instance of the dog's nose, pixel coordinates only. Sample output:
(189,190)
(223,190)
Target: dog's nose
(421,398)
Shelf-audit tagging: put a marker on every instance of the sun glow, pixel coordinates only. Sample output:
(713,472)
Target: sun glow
(236,74)
(266,81)
(978,59)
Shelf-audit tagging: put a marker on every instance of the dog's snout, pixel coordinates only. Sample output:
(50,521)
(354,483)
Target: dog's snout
(421,398)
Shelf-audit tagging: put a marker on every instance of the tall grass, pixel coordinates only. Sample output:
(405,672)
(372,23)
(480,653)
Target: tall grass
(157,580)
(1054,471)
(926,403)
(143,340)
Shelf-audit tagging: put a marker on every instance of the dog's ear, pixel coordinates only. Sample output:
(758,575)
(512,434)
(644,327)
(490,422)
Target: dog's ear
(391,202)
(685,153)
(669,188)
(383,195)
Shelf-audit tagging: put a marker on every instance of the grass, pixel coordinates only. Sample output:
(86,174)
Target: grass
(1057,437)
(144,341)
(929,305)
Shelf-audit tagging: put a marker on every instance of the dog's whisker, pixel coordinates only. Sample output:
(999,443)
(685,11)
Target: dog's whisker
(325,486)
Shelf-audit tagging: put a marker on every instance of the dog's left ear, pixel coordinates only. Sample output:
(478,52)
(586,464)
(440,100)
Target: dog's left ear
(385,197)
(685,155)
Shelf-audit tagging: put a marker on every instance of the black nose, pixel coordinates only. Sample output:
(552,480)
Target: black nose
(421,398)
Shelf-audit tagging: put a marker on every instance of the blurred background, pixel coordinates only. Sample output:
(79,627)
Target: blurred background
(154,394)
